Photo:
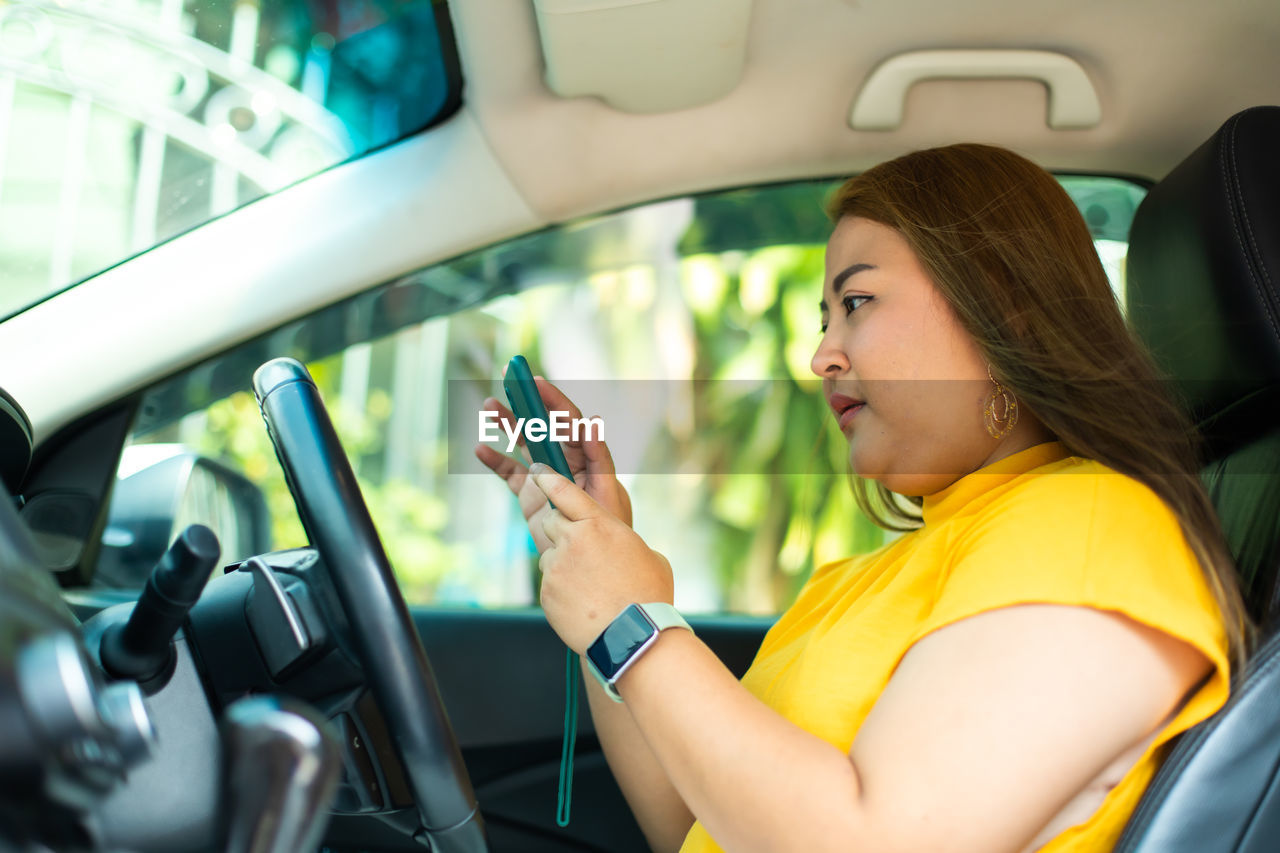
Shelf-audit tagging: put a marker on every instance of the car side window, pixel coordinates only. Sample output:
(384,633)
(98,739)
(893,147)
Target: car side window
(687,325)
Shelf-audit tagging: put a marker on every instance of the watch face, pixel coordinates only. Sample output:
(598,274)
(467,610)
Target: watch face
(624,636)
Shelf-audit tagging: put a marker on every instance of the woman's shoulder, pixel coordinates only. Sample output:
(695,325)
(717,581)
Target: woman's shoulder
(1081,533)
(1078,494)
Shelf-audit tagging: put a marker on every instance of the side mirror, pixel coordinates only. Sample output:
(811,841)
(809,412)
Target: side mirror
(162,488)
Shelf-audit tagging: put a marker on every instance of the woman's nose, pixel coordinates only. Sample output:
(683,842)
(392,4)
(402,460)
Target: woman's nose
(829,360)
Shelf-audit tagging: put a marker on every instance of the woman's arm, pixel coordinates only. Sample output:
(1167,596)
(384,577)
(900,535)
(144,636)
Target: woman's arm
(658,808)
(987,729)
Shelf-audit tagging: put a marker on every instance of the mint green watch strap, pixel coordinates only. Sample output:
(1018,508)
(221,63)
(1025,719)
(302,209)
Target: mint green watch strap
(665,616)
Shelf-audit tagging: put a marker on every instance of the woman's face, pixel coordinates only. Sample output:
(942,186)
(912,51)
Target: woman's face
(891,341)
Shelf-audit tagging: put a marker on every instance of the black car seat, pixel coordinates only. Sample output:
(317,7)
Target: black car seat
(15,443)
(1204,294)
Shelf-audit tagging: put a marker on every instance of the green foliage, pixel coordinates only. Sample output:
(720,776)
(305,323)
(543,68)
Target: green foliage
(778,500)
(746,219)
(235,434)
(409,519)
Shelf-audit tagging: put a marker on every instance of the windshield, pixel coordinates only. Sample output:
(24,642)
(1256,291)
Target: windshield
(124,123)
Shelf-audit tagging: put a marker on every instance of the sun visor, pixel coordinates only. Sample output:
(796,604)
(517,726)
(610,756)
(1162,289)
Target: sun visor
(644,56)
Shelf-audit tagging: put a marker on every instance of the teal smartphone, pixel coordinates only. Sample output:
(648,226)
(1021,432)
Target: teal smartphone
(526,403)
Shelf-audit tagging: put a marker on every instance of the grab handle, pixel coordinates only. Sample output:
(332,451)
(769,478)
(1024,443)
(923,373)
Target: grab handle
(1073,102)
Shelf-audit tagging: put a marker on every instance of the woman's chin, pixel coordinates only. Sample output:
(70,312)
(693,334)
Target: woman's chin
(896,481)
(864,464)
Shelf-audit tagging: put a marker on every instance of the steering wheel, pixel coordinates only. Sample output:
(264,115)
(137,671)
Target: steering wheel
(385,639)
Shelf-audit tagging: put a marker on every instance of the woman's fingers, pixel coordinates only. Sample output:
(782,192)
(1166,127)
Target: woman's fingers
(555,399)
(504,466)
(506,418)
(573,501)
(553,525)
(516,476)
(599,458)
(596,457)
(589,456)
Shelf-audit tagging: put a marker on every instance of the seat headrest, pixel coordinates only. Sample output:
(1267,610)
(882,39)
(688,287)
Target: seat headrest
(15,443)
(1204,278)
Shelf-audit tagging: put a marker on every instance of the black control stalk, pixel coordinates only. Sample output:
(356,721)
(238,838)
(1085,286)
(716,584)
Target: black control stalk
(142,648)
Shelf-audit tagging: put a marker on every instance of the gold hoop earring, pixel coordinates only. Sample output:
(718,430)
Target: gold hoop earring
(999,424)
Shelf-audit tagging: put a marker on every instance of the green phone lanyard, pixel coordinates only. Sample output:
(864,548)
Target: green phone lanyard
(565,797)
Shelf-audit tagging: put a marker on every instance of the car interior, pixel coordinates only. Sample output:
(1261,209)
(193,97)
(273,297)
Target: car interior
(177,674)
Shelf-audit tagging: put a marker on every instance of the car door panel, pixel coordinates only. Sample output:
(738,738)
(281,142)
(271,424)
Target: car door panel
(501,673)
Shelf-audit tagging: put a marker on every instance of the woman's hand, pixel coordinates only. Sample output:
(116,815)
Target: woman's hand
(594,566)
(589,460)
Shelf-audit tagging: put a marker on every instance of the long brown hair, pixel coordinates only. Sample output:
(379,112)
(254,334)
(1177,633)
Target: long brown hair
(1006,247)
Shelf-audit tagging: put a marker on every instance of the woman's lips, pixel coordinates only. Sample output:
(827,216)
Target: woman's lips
(847,416)
(845,408)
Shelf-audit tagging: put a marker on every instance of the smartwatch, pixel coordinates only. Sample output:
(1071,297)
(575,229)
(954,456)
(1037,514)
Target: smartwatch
(628,636)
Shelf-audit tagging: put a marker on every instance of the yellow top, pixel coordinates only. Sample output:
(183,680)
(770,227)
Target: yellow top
(1038,526)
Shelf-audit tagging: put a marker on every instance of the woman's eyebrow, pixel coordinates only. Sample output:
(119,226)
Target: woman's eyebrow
(841,277)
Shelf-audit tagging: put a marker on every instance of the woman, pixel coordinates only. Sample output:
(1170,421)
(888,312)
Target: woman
(1004,675)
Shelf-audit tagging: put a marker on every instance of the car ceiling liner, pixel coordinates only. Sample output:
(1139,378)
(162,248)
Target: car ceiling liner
(647,56)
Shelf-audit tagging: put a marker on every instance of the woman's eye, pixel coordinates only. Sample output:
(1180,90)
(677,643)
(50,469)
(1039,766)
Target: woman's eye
(851,303)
